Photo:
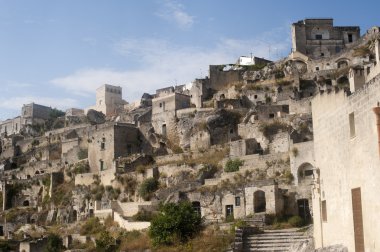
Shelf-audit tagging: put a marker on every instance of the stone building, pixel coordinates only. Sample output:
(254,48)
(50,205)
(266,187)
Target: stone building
(110,141)
(347,153)
(164,108)
(34,113)
(318,38)
(30,114)
(108,100)
(251,60)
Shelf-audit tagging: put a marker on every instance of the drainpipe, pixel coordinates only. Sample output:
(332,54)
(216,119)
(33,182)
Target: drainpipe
(376,110)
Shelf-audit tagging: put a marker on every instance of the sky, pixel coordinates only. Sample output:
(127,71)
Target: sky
(56,53)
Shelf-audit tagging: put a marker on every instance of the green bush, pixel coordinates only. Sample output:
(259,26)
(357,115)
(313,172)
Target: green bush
(91,226)
(296,221)
(233,165)
(147,187)
(54,243)
(174,222)
(105,242)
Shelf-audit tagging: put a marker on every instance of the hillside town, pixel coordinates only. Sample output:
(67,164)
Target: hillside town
(271,155)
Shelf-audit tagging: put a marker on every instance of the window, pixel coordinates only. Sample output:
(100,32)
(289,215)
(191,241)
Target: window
(317,68)
(271,115)
(351,118)
(237,201)
(101,165)
(160,105)
(255,96)
(322,54)
(103,143)
(318,36)
(350,38)
(324,211)
(308,173)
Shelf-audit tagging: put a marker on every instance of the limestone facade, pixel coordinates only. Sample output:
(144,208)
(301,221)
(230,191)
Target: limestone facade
(345,196)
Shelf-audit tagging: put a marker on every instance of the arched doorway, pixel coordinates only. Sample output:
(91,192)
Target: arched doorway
(305,174)
(259,201)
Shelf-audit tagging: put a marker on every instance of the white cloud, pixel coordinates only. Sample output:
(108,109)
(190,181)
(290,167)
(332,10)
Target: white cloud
(174,11)
(160,63)
(16,103)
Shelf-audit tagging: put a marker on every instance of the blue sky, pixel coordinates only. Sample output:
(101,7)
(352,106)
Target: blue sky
(56,53)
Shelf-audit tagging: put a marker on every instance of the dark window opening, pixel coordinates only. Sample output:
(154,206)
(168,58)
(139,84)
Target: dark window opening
(102,145)
(237,201)
(101,165)
(317,68)
(350,39)
(255,96)
(322,54)
(271,115)
(318,36)
(308,172)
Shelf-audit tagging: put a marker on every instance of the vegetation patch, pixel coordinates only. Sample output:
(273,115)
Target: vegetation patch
(174,223)
(233,165)
(148,187)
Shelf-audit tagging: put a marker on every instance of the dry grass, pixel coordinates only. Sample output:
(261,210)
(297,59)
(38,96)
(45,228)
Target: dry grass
(207,241)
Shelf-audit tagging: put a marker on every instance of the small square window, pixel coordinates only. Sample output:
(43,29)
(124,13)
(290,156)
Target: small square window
(317,68)
(271,115)
(237,201)
(318,36)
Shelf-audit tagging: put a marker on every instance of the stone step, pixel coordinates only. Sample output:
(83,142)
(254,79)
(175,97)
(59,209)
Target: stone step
(275,237)
(276,240)
(275,249)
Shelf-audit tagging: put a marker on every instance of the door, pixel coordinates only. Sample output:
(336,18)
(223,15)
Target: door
(304,209)
(229,210)
(358,219)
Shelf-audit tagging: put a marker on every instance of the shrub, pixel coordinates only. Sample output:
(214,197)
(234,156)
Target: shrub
(295,151)
(54,243)
(91,226)
(147,187)
(174,222)
(233,165)
(105,242)
(271,128)
(288,176)
(296,221)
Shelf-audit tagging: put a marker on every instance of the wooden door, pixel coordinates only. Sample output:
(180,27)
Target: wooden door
(358,219)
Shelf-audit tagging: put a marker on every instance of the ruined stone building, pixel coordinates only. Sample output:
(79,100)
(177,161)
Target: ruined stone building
(110,141)
(164,108)
(108,99)
(318,38)
(30,114)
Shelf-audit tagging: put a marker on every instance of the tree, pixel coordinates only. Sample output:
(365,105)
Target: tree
(54,243)
(147,187)
(105,242)
(174,222)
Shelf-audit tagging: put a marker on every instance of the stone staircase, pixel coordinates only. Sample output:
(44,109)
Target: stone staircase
(273,240)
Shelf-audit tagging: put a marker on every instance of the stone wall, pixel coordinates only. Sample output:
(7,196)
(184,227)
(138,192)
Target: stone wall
(347,154)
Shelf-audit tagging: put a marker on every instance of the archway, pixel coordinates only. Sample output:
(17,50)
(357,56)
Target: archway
(305,173)
(259,201)
(25,203)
